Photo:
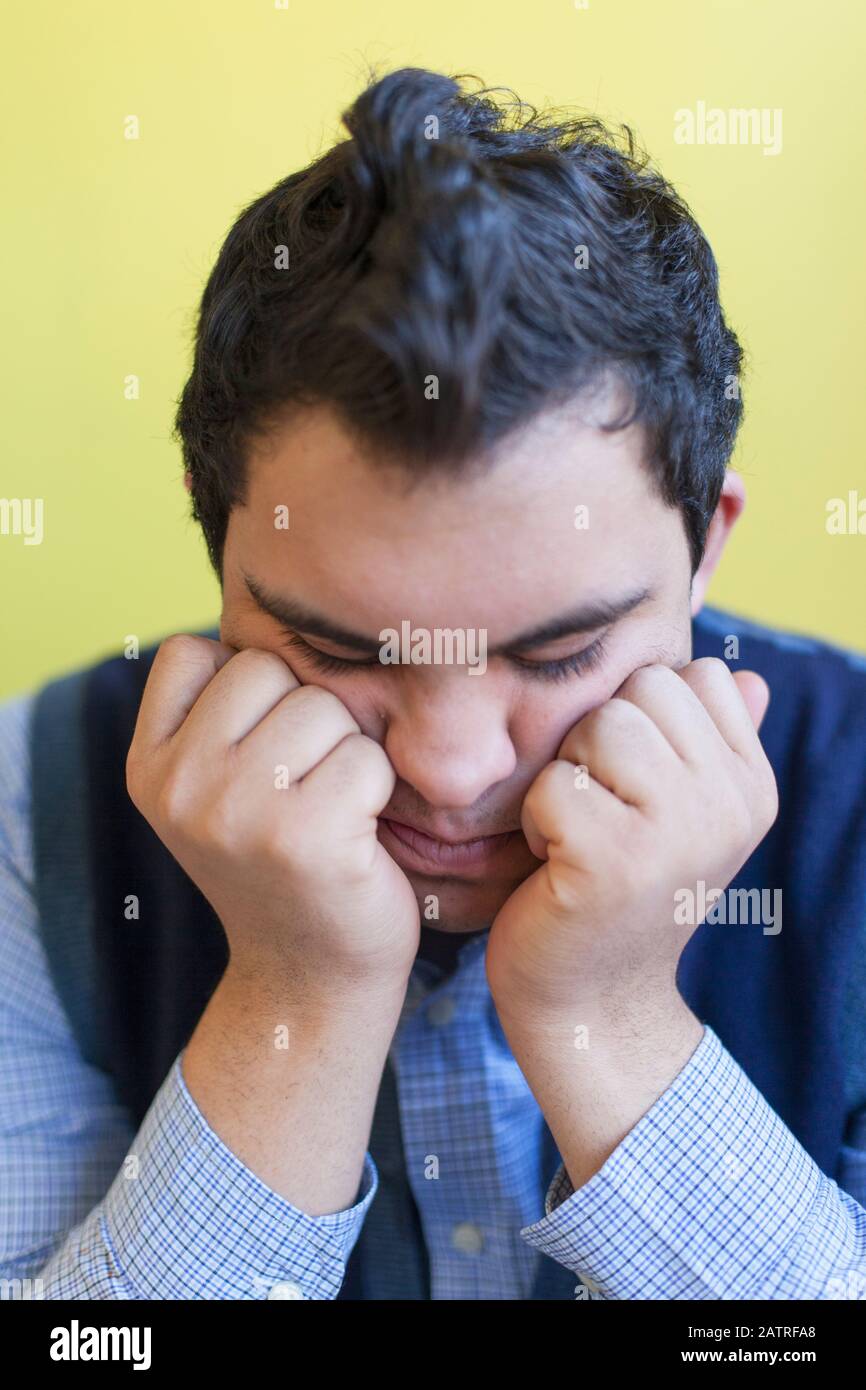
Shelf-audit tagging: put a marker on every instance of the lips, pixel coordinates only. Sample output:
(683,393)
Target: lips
(419,850)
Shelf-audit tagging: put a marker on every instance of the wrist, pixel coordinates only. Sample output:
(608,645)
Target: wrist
(595,1076)
(252,986)
(613,1017)
(253,1020)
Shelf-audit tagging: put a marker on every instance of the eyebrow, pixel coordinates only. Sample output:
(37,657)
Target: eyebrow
(589,617)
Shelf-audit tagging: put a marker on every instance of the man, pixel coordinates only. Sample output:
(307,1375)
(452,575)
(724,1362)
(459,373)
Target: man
(450,785)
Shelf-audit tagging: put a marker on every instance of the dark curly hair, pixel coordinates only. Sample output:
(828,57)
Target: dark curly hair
(441,241)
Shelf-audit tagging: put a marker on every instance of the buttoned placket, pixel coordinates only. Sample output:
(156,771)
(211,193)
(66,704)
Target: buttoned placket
(471,1132)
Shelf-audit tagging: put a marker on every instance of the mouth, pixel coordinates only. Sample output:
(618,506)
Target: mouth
(415,850)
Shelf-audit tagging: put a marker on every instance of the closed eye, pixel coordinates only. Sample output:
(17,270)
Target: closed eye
(324,661)
(575,664)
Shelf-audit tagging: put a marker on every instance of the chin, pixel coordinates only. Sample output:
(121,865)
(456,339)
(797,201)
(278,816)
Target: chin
(462,907)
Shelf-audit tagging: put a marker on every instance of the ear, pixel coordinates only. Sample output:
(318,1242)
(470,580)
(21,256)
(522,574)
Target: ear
(187,481)
(731,503)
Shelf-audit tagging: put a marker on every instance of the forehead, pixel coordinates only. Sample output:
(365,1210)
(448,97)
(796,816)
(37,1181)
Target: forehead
(483,548)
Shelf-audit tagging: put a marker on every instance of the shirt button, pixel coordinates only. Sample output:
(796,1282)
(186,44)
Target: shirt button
(441,1010)
(286,1291)
(467,1238)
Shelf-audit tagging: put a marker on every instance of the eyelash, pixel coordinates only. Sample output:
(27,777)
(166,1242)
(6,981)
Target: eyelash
(577,664)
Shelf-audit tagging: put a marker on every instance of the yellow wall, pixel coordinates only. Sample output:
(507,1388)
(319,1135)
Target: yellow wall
(107,243)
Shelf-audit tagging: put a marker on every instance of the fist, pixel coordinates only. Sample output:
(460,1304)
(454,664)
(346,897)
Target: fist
(267,794)
(664,785)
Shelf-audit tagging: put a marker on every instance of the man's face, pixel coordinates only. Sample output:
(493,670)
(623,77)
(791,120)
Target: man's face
(498,555)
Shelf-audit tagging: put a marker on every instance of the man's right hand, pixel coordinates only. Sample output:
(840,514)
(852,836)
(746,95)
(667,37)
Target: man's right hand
(267,794)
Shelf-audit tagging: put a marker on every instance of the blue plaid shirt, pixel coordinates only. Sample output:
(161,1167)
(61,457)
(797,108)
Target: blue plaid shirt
(710,1196)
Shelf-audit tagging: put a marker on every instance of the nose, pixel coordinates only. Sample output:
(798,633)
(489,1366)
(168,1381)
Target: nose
(449,739)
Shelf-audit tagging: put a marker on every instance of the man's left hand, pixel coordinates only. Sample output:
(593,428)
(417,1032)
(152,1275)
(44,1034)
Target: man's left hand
(664,785)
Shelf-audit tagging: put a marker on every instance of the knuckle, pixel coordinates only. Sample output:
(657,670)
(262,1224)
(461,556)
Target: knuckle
(769,793)
(172,802)
(761,797)
(366,758)
(182,648)
(618,714)
(261,662)
(218,826)
(135,780)
(565,892)
(542,789)
(652,671)
(367,750)
(710,677)
(773,799)
(324,704)
(587,730)
(711,666)
(137,770)
(607,723)
(646,678)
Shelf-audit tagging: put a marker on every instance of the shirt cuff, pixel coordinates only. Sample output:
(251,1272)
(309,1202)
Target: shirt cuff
(186,1219)
(696,1202)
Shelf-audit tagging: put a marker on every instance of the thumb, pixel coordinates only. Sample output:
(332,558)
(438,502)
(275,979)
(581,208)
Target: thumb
(755,693)
(534,838)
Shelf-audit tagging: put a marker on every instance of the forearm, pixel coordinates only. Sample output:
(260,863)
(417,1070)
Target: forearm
(185,1219)
(288,1076)
(595,1071)
(709,1196)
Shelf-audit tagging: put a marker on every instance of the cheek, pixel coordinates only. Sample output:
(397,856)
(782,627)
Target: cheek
(241,628)
(357,694)
(546,712)
(544,715)
(361,700)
